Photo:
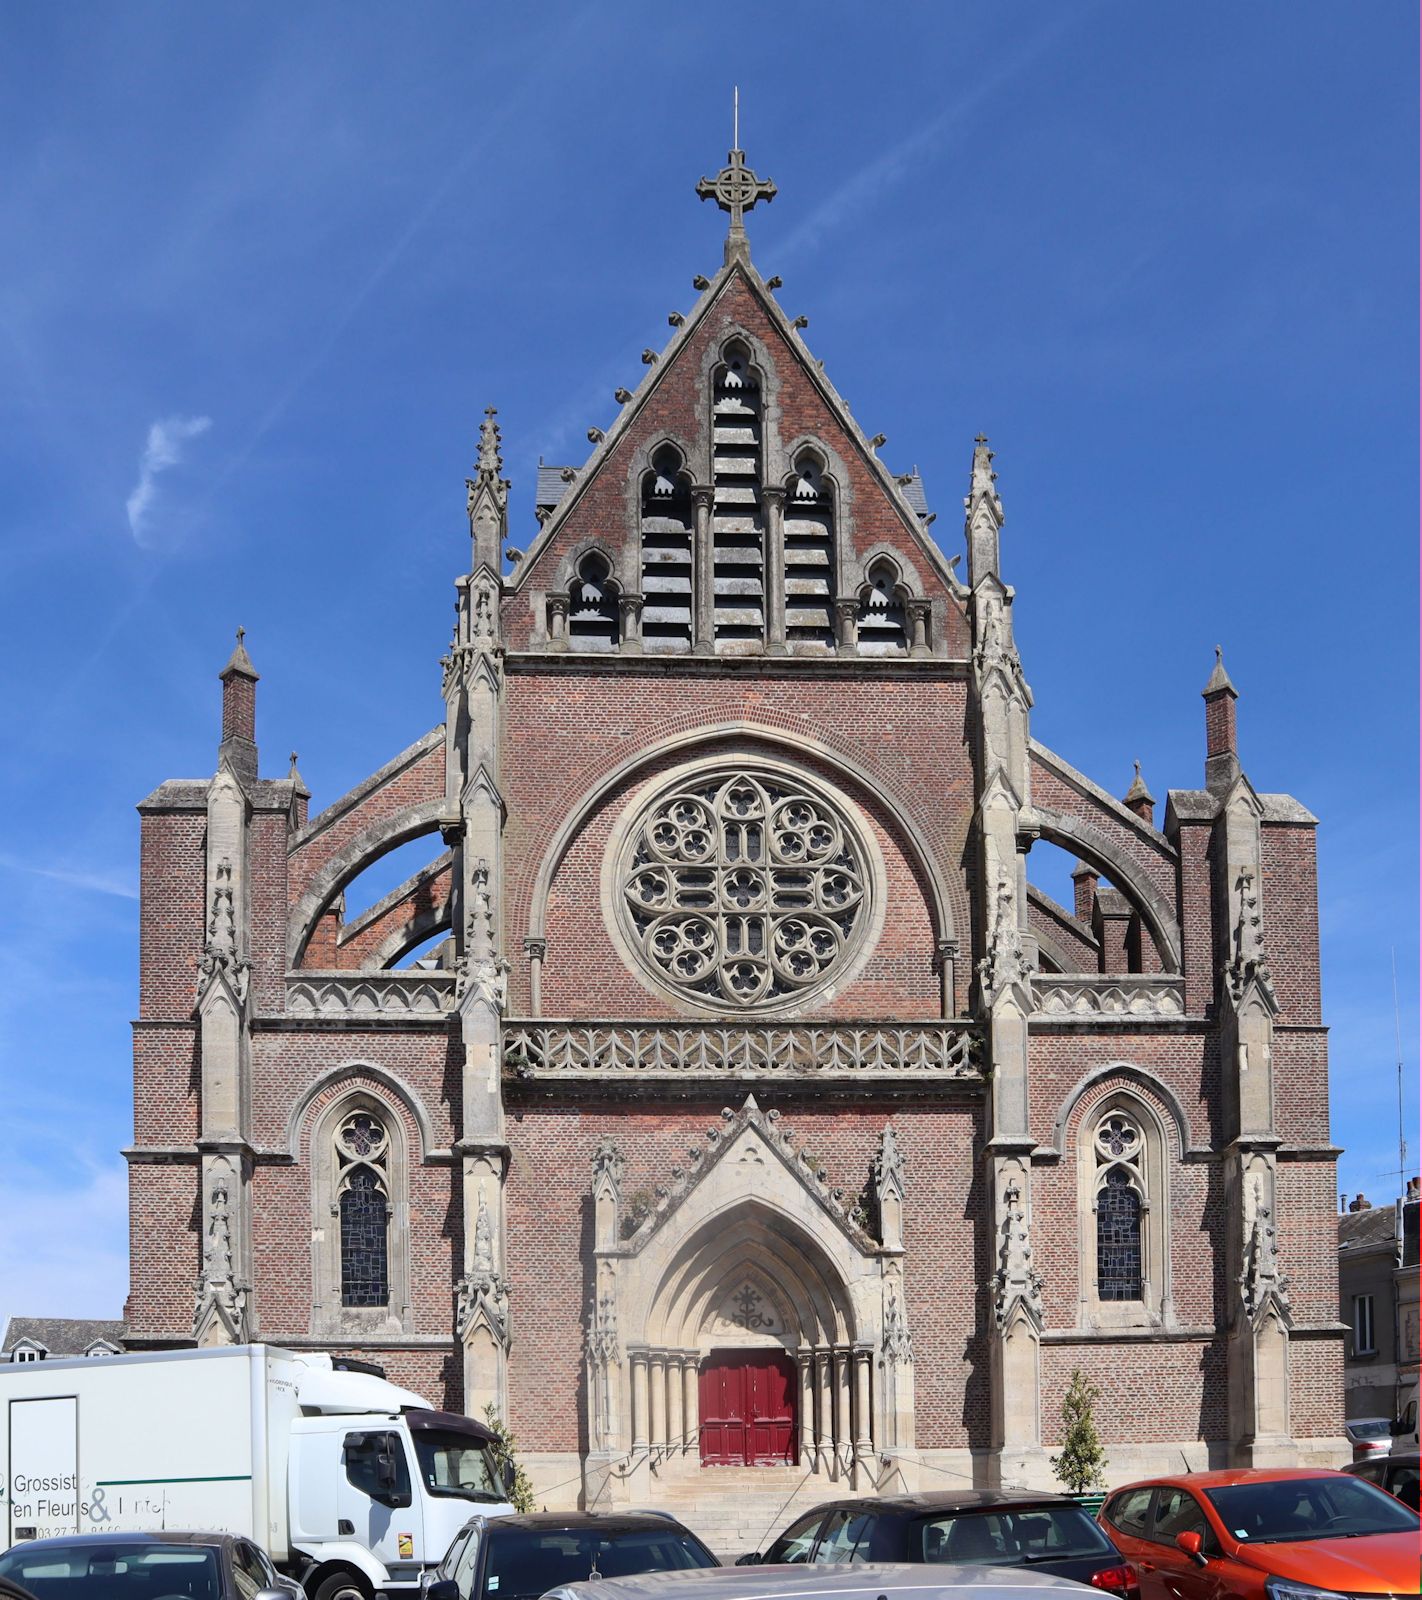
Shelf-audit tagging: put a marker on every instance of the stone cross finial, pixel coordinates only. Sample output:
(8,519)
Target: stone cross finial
(736,188)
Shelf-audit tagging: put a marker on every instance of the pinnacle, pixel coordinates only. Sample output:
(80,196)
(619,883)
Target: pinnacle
(239,663)
(983,475)
(490,460)
(1219,679)
(1138,790)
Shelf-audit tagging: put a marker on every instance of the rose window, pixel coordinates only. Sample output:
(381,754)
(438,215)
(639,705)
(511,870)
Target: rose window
(744,888)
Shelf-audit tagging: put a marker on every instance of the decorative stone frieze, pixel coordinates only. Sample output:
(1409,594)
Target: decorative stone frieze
(814,1051)
(1136,994)
(362,994)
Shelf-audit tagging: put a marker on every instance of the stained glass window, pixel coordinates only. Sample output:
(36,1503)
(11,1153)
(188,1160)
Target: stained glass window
(1118,1238)
(365,1241)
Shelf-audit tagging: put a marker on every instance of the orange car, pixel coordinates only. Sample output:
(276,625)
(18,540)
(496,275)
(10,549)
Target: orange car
(1285,1534)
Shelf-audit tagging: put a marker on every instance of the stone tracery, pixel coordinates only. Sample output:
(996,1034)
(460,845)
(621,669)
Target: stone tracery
(745,888)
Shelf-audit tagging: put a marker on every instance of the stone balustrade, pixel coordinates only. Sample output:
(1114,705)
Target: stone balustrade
(737,1050)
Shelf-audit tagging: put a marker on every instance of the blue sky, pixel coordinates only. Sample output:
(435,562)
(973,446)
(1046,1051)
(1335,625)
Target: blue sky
(263,267)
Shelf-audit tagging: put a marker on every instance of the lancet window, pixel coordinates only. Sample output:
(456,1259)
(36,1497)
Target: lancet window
(882,618)
(737,512)
(592,609)
(362,1160)
(666,554)
(809,530)
(1120,1193)
(360,1246)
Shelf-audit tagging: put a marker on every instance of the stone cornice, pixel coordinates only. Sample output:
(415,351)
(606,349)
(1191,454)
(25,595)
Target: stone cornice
(594,664)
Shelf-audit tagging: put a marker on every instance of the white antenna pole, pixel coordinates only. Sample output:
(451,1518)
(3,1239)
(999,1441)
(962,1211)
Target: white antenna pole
(1401,1124)
(736,118)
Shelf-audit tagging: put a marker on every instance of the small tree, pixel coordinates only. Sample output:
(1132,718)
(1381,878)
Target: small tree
(1079,1465)
(521,1491)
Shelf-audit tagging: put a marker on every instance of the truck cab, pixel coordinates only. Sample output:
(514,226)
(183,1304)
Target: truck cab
(386,1494)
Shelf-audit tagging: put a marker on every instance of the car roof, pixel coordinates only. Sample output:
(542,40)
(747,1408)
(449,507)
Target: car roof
(1226,1476)
(603,1521)
(947,1500)
(870,1580)
(136,1536)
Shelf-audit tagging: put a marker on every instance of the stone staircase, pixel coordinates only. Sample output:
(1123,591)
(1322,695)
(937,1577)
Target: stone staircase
(736,1509)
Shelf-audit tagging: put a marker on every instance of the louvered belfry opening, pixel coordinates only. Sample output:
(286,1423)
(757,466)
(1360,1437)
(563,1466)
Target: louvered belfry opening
(809,559)
(881,622)
(592,612)
(737,515)
(666,554)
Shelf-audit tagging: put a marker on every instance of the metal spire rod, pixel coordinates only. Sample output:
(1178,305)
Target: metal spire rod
(1401,1123)
(736,117)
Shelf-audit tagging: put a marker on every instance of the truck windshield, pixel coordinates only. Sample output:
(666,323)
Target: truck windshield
(457,1464)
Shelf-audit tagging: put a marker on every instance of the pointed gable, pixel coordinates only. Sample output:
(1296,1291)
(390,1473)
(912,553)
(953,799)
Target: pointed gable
(803,446)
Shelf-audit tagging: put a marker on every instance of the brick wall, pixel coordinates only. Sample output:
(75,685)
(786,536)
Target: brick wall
(568,733)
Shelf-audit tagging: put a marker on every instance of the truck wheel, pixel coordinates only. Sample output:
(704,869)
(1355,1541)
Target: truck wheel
(340,1586)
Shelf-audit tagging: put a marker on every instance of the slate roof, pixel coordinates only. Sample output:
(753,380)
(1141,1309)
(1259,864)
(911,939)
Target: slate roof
(917,499)
(551,485)
(1363,1230)
(61,1336)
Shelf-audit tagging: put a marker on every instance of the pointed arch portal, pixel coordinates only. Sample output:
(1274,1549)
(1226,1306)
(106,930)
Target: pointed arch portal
(753,1310)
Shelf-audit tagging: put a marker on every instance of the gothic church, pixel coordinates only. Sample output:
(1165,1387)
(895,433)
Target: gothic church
(723,1098)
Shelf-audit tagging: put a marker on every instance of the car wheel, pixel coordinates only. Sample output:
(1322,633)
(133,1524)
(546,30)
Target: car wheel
(341,1586)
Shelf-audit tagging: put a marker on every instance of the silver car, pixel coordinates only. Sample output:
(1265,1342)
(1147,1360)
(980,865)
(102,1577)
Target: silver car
(868,1581)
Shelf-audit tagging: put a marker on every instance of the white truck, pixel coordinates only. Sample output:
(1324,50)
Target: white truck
(351,1484)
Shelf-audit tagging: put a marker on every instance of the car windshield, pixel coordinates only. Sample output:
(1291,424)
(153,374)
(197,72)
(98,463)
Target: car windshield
(1285,1510)
(1008,1538)
(457,1464)
(1371,1428)
(524,1563)
(55,1571)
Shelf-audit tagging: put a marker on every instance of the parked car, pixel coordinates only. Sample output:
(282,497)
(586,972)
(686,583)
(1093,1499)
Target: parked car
(1369,1436)
(871,1581)
(1284,1534)
(523,1557)
(1398,1472)
(145,1566)
(984,1527)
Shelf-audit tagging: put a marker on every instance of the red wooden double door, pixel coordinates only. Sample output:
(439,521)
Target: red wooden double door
(748,1409)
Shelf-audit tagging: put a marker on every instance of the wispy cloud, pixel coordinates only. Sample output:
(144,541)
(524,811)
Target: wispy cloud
(878,177)
(76,877)
(163,451)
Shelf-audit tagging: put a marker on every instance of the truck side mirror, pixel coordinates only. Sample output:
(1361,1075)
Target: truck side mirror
(1191,1542)
(442,1589)
(509,1474)
(394,1489)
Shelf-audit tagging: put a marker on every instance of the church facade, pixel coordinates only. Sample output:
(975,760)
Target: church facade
(723,1093)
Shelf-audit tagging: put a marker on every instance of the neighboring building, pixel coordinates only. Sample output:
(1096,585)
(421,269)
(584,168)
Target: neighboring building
(731,813)
(56,1338)
(1377,1291)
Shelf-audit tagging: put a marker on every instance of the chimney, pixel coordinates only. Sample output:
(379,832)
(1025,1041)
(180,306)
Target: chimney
(1360,1203)
(1083,880)
(1221,739)
(1414,1191)
(238,749)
